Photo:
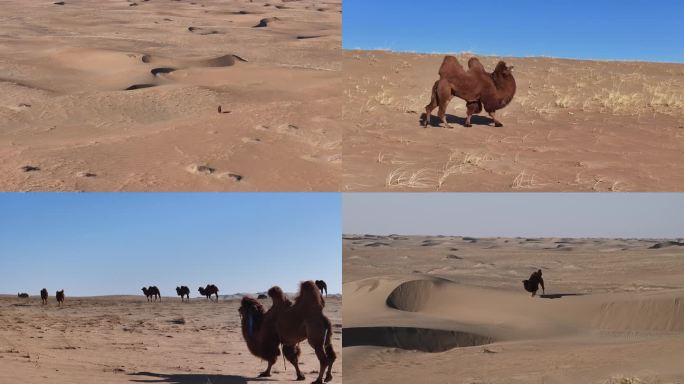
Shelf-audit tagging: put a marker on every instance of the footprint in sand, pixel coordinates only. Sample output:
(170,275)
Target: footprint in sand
(265,22)
(200,169)
(251,140)
(203,31)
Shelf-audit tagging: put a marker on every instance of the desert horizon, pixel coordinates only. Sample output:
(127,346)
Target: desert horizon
(454,308)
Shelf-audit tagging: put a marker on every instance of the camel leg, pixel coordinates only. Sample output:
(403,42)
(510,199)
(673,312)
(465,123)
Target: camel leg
(431,106)
(497,123)
(323,361)
(291,353)
(473,107)
(330,352)
(267,372)
(443,96)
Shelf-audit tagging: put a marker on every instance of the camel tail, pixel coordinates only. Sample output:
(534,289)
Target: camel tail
(284,364)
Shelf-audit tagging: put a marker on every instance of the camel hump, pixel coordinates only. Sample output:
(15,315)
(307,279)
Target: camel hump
(475,64)
(450,67)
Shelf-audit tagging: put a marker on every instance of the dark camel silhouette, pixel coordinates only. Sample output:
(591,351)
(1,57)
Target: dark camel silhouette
(532,284)
(209,290)
(152,292)
(60,297)
(322,286)
(183,291)
(44,295)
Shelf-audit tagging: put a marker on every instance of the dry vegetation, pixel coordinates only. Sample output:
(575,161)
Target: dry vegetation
(573,125)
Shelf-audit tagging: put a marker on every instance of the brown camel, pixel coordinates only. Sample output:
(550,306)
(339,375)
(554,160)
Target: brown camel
(476,86)
(292,323)
(60,297)
(44,295)
(260,333)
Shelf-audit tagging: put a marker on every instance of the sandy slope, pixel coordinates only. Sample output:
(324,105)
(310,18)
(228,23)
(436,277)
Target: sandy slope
(572,126)
(125,339)
(64,107)
(453,308)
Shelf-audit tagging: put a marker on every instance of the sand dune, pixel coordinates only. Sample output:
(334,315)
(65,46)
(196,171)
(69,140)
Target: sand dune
(125,339)
(130,94)
(609,305)
(572,126)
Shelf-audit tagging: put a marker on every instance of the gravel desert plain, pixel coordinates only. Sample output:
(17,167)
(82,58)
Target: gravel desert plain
(125,339)
(453,309)
(125,95)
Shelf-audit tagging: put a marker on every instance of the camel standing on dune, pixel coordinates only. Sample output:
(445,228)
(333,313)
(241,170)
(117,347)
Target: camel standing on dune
(292,324)
(183,291)
(60,297)
(152,292)
(209,290)
(476,86)
(322,286)
(44,295)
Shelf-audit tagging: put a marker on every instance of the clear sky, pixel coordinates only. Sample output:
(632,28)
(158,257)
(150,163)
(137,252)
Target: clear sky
(646,30)
(116,243)
(606,215)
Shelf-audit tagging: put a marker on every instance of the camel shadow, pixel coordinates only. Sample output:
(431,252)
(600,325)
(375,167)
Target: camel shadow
(451,119)
(559,295)
(191,378)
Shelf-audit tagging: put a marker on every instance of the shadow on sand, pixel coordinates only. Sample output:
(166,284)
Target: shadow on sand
(559,295)
(451,119)
(191,378)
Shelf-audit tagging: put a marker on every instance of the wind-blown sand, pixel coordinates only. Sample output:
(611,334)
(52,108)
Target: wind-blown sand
(121,95)
(453,309)
(126,339)
(572,126)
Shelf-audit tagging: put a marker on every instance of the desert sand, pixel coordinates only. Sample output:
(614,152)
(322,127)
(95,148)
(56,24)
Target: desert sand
(124,339)
(572,126)
(453,309)
(124,95)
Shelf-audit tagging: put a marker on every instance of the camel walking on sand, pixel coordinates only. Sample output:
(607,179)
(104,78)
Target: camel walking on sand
(152,292)
(476,86)
(60,297)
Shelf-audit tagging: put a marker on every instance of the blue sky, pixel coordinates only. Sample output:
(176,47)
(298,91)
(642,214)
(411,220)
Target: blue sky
(646,30)
(114,243)
(607,215)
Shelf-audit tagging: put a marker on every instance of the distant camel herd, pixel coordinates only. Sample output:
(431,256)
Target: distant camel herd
(152,293)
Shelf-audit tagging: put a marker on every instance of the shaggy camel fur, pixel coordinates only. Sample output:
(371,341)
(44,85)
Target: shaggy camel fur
(152,291)
(60,297)
(44,295)
(304,320)
(291,324)
(533,283)
(209,290)
(260,333)
(322,286)
(478,88)
(183,291)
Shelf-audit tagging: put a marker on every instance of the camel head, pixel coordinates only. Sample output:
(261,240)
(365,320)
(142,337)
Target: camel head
(144,289)
(251,313)
(201,291)
(503,70)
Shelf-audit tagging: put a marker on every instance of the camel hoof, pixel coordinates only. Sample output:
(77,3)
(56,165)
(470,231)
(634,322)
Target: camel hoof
(498,125)
(264,374)
(300,377)
(468,125)
(328,377)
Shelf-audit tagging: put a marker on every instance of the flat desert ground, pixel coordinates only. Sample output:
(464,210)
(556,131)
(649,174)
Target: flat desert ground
(453,309)
(125,339)
(572,126)
(117,95)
